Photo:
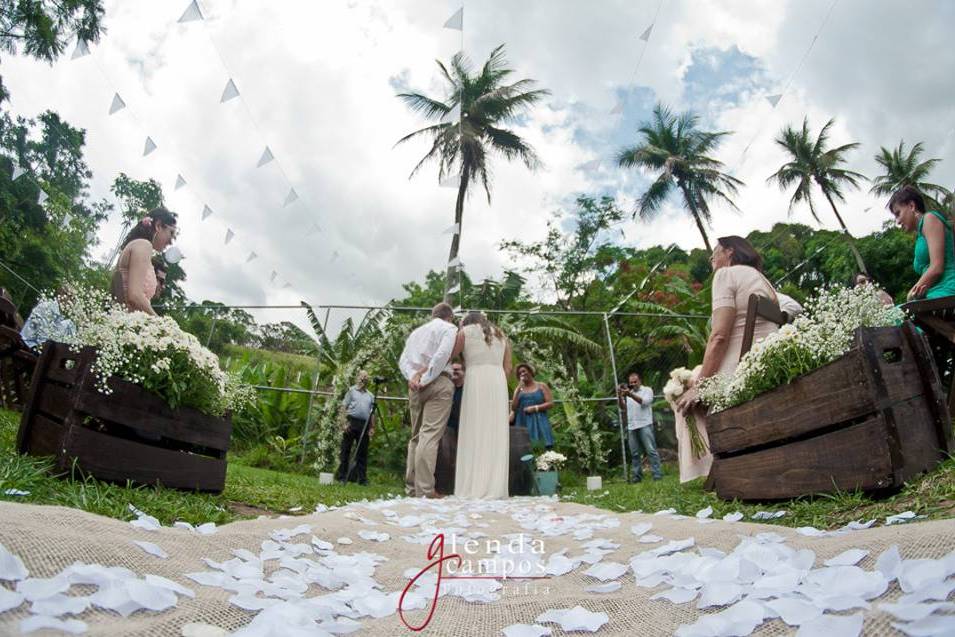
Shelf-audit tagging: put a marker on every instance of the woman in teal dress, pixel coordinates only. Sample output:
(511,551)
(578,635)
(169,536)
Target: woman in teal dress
(531,402)
(934,260)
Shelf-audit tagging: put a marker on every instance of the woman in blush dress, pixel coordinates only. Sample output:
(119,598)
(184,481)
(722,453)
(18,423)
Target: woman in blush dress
(134,279)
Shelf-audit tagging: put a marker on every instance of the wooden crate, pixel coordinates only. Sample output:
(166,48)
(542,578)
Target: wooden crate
(130,434)
(16,359)
(869,420)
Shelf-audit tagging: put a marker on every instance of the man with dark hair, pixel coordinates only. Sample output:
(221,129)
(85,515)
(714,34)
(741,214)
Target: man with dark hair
(637,401)
(425,364)
(161,269)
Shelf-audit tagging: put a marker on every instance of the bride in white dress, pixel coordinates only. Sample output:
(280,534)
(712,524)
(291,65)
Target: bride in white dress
(483,437)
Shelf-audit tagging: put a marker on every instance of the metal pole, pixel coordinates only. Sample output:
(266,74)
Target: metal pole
(311,398)
(613,365)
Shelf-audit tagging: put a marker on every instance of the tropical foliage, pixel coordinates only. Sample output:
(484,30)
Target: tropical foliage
(674,145)
(906,169)
(470,129)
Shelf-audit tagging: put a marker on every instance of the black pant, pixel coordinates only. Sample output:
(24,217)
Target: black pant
(351,435)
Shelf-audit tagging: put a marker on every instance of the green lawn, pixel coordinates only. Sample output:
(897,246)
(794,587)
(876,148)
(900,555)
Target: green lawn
(250,491)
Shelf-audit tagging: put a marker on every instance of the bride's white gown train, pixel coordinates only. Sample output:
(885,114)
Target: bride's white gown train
(483,437)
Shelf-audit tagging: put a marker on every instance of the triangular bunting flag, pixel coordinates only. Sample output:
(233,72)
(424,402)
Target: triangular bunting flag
(206,212)
(456,21)
(774,99)
(454,289)
(334,255)
(292,197)
(180,182)
(286,286)
(41,199)
(81,50)
(867,209)
(252,257)
(451,181)
(273,276)
(192,13)
(618,108)
(149,147)
(117,105)
(266,157)
(315,228)
(593,164)
(229,92)
(645,36)
(452,229)
(17,171)
(229,235)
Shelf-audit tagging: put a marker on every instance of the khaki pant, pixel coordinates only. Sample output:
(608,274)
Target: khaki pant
(430,407)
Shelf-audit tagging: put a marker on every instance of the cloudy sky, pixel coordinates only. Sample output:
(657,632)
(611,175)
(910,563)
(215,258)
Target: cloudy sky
(318,83)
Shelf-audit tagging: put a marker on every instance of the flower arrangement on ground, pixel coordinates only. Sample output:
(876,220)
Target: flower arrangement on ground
(821,335)
(550,461)
(680,380)
(152,352)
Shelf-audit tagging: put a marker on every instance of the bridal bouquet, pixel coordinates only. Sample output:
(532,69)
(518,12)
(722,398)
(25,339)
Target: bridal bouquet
(550,461)
(821,335)
(679,382)
(152,352)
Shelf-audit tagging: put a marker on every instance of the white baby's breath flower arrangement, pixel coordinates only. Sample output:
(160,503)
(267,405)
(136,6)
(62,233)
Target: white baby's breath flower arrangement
(680,380)
(152,352)
(550,461)
(821,335)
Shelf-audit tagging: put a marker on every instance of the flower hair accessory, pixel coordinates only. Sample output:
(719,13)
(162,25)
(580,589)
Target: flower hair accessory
(147,221)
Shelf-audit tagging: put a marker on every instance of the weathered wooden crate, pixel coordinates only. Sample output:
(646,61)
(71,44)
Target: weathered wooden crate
(129,434)
(16,359)
(870,420)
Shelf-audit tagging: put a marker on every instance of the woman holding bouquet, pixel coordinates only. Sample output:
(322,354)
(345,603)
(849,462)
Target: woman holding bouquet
(134,279)
(737,273)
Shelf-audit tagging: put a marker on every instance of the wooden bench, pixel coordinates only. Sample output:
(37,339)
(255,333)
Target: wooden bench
(16,359)
(760,307)
(936,318)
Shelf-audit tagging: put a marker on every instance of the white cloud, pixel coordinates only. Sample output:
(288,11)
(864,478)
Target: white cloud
(318,80)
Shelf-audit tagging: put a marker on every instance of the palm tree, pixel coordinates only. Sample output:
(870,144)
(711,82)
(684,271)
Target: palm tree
(813,162)
(903,169)
(462,148)
(674,145)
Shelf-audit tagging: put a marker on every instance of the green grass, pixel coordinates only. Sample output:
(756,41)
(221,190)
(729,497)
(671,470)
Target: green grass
(294,362)
(251,491)
(932,495)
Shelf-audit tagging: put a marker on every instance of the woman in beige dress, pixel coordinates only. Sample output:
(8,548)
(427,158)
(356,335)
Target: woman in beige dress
(481,469)
(134,281)
(737,273)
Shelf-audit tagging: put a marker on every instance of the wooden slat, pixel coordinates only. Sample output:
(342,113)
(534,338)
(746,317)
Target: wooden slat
(848,459)
(941,327)
(211,433)
(60,358)
(32,405)
(54,400)
(46,437)
(930,305)
(114,459)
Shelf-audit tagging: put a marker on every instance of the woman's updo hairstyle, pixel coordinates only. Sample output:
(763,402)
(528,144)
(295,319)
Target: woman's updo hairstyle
(146,228)
(743,251)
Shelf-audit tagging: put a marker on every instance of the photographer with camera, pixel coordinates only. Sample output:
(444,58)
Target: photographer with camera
(358,428)
(637,402)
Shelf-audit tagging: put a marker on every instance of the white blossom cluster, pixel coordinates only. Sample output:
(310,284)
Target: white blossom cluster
(821,335)
(679,382)
(150,351)
(550,461)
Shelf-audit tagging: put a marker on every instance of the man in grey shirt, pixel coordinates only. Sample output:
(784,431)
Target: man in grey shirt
(359,426)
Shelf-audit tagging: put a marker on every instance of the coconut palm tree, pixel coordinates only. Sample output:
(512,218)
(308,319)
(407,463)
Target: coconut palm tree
(813,162)
(674,145)
(903,169)
(462,144)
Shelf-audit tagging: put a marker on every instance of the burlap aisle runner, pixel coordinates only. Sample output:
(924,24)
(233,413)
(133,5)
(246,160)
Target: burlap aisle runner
(49,539)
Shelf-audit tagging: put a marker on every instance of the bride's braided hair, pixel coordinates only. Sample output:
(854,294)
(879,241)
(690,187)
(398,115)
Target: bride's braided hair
(490,330)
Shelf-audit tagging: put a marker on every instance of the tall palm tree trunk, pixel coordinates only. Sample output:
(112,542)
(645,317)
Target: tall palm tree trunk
(691,204)
(454,272)
(849,237)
